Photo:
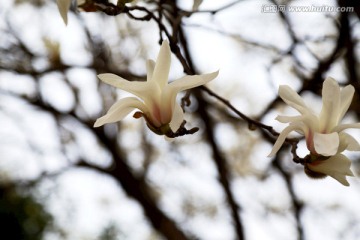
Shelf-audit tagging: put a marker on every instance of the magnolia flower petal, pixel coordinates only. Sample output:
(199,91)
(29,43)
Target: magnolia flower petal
(296,119)
(170,91)
(342,127)
(196,5)
(140,89)
(337,166)
(150,65)
(329,115)
(281,139)
(120,110)
(292,99)
(346,97)
(308,119)
(63,6)
(347,142)
(162,66)
(326,144)
(288,119)
(80,2)
(177,118)
(188,82)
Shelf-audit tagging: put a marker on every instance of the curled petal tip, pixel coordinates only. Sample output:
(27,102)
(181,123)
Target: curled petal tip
(97,123)
(63,6)
(216,73)
(210,76)
(274,150)
(350,173)
(344,182)
(64,17)
(272,153)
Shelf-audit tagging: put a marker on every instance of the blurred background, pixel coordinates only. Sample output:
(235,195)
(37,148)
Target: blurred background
(60,178)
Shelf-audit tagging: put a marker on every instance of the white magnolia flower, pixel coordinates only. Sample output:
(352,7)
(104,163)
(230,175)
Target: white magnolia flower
(323,133)
(158,97)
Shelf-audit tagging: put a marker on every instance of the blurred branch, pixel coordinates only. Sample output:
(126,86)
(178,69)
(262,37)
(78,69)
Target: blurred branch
(135,188)
(350,59)
(139,190)
(219,158)
(314,83)
(251,122)
(169,19)
(297,205)
(221,164)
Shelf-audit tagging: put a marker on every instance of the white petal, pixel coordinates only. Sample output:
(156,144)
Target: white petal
(150,65)
(162,66)
(177,118)
(346,97)
(171,90)
(288,119)
(293,99)
(140,89)
(309,120)
(63,6)
(192,81)
(326,144)
(196,5)
(348,142)
(80,2)
(281,139)
(329,115)
(120,110)
(337,166)
(342,127)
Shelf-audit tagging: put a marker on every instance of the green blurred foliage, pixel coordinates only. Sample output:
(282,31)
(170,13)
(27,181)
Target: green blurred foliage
(21,216)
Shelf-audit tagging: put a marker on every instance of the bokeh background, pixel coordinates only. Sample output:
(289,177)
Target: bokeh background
(60,178)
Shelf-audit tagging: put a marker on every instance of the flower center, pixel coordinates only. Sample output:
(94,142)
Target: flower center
(156,113)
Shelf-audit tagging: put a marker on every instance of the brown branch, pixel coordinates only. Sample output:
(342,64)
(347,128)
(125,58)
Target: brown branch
(221,165)
(220,160)
(251,122)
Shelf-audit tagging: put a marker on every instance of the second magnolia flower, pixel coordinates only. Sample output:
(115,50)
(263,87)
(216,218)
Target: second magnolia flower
(323,133)
(156,97)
